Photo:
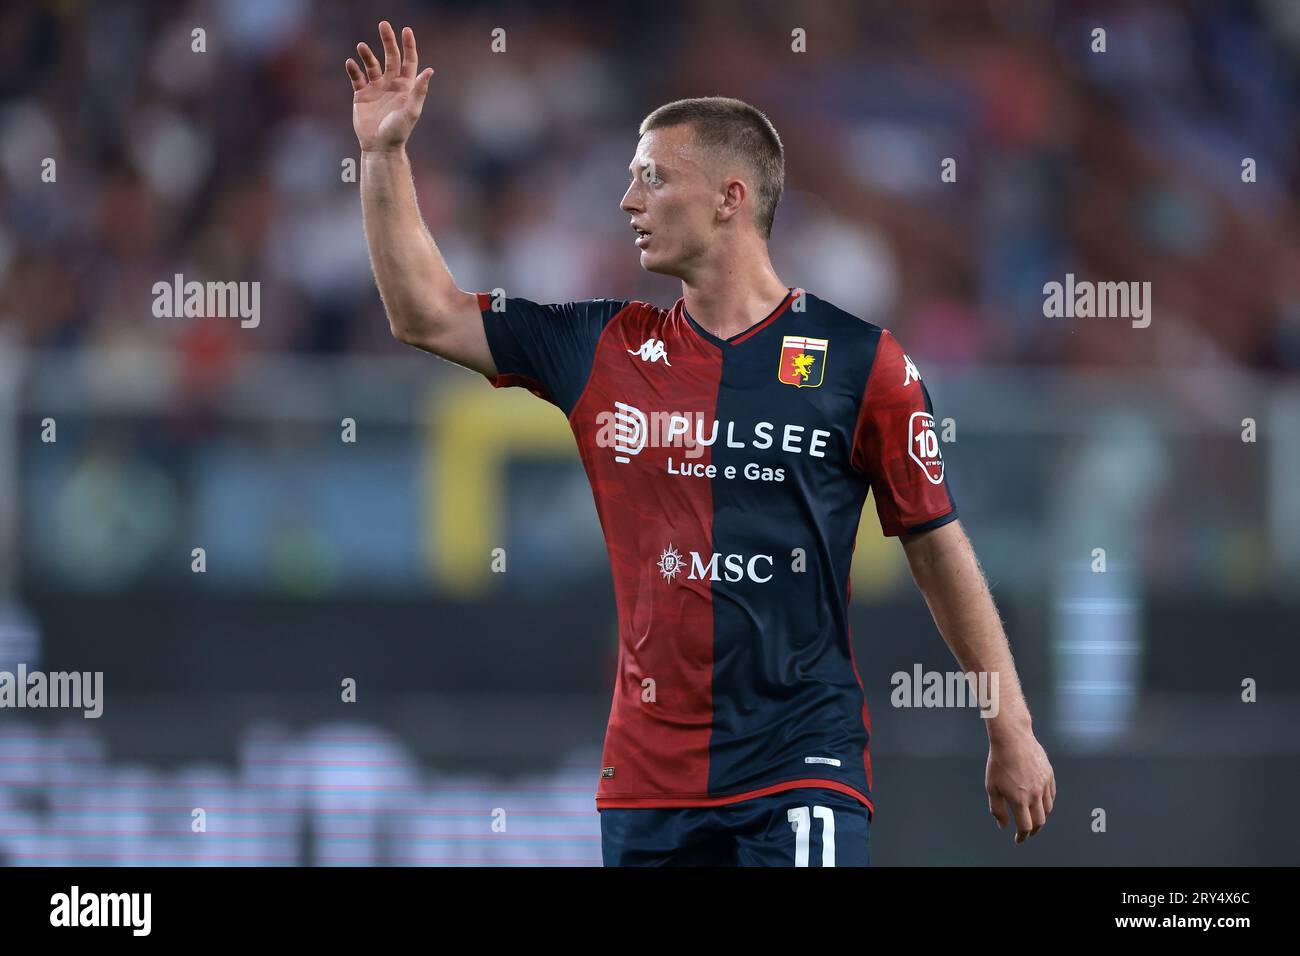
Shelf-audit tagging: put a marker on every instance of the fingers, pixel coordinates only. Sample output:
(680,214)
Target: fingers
(1024,821)
(410,59)
(998,810)
(1030,812)
(356,75)
(396,63)
(392,58)
(370,62)
(422,82)
(1037,813)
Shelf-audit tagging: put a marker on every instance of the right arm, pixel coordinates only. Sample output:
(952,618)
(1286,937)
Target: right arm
(425,308)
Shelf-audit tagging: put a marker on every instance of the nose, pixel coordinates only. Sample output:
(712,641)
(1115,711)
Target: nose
(632,198)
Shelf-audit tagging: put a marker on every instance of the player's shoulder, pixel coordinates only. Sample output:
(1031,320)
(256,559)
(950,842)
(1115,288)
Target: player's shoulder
(635,317)
(825,317)
(602,310)
(862,346)
(814,316)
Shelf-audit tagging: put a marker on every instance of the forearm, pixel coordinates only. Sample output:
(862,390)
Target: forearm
(948,575)
(414,282)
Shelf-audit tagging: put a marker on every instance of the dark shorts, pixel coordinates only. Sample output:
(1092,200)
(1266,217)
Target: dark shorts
(793,828)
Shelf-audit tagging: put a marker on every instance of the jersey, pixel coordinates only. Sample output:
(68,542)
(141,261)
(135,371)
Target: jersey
(730,477)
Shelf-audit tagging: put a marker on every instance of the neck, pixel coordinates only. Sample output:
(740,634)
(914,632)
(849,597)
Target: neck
(736,293)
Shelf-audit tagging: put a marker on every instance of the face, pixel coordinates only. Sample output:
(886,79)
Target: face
(673,202)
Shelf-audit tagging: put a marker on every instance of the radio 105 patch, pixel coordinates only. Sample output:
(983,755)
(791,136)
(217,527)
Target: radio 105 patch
(923,445)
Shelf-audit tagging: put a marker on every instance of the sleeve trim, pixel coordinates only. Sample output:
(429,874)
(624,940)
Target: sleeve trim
(939,522)
(511,380)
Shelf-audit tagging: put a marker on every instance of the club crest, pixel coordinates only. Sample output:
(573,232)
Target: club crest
(803,361)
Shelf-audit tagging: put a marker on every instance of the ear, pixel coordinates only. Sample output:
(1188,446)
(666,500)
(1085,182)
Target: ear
(734,193)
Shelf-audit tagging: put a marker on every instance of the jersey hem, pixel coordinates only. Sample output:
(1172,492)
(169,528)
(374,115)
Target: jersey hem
(668,801)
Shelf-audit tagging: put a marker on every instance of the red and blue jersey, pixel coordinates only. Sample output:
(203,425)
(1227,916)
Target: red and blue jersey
(729,477)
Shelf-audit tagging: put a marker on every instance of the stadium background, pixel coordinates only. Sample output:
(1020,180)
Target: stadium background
(480,692)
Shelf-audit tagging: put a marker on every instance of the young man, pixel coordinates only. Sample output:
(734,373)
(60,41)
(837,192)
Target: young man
(730,442)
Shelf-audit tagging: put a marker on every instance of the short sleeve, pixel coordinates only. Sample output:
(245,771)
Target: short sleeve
(896,445)
(548,349)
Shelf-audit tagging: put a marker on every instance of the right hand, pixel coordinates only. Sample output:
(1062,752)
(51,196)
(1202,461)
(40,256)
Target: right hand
(386,103)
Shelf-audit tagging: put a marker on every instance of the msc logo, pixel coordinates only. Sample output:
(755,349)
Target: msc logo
(802,361)
(923,445)
(734,567)
(652,350)
(670,563)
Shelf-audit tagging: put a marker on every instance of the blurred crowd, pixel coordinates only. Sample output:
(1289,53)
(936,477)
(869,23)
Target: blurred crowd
(231,164)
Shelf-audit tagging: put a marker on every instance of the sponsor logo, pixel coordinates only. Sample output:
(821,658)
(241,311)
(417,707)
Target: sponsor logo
(830,761)
(718,567)
(750,471)
(923,445)
(652,350)
(670,563)
(629,430)
(802,361)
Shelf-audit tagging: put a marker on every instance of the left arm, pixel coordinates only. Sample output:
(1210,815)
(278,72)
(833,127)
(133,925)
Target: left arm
(948,575)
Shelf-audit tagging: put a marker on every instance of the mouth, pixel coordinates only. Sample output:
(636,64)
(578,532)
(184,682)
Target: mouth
(642,236)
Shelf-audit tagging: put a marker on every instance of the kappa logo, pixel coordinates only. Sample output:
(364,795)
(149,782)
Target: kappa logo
(652,350)
(803,361)
(910,374)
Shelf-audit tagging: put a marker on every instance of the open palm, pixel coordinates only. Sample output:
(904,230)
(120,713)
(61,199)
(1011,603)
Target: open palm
(387,102)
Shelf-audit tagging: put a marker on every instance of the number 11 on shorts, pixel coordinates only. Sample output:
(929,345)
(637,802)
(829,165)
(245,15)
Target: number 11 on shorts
(802,825)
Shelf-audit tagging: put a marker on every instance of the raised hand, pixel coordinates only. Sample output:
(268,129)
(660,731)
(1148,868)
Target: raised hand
(387,102)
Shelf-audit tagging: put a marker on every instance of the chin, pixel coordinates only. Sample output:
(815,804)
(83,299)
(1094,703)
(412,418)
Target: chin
(650,263)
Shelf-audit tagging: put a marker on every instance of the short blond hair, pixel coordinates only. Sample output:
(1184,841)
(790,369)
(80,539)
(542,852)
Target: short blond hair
(733,127)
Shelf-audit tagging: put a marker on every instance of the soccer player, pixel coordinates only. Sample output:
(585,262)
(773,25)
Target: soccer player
(730,442)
